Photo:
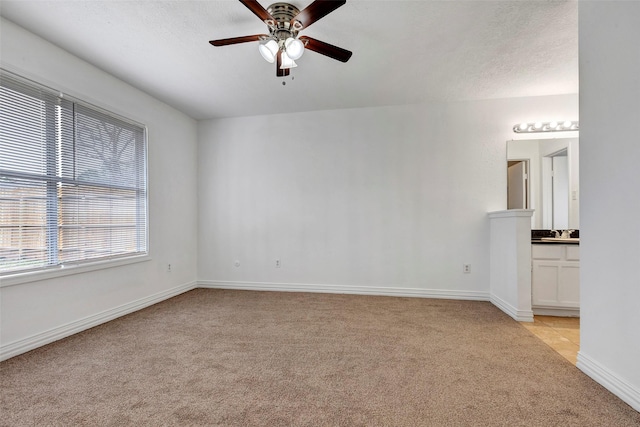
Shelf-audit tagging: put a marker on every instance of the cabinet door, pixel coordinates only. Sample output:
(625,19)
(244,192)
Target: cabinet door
(569,286)
(555,284)
(544,283)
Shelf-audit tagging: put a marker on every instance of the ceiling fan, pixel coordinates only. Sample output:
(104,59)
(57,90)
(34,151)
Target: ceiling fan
(283,45)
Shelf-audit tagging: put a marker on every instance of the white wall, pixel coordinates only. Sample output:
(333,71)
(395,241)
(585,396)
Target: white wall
(510,262)
(387,200)
(37,312)
(610,183)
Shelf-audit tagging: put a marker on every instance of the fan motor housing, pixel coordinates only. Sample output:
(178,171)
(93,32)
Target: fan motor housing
(283,13)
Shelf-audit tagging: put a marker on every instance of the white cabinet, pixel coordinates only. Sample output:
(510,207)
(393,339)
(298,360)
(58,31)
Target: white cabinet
(555,279)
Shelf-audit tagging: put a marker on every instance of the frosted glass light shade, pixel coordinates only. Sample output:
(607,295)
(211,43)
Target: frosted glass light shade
(287,62)
(294,48)
(268,49)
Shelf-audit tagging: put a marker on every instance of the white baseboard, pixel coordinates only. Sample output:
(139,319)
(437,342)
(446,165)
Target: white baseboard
(22,346)
(519,315)
(346,289)
(625,391)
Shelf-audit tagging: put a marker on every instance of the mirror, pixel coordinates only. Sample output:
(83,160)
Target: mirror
(543,175)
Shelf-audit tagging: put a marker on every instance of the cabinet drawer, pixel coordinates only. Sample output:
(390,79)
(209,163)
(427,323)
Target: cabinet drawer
(573,253)
(554,252)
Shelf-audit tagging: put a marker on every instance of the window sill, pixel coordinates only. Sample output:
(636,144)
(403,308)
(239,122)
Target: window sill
(67,270)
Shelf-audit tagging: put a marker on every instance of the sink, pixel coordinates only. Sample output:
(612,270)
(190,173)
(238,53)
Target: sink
(560,240)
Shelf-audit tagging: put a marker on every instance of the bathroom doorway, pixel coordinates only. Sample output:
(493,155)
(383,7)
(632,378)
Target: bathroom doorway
(560,333)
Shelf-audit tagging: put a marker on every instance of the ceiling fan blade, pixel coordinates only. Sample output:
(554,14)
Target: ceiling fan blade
(315,11)
(280,72)
(326,49)
(258,10)
(236,40)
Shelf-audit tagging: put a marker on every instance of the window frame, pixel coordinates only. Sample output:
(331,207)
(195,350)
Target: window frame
(13,277)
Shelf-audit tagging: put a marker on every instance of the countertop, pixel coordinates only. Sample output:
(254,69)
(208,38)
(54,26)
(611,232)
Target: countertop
(552,241)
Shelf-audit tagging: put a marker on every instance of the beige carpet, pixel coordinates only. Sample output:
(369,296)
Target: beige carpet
(214,357)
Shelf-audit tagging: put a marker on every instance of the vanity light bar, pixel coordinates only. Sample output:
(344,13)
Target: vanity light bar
(546,127)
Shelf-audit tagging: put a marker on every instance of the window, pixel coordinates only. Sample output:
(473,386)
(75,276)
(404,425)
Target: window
(72,180)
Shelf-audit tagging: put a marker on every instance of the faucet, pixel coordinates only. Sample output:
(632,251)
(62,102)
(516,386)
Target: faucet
(557,236)
(566,234)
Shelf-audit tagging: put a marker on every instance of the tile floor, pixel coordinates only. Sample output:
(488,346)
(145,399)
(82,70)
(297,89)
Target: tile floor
(560,333)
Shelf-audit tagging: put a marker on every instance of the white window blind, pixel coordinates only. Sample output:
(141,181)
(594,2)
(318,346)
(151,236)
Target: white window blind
(72,180)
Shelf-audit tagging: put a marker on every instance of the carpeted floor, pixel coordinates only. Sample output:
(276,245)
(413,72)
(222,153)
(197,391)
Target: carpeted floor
(241,358)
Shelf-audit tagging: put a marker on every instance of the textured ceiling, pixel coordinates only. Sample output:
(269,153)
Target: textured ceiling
(403,51)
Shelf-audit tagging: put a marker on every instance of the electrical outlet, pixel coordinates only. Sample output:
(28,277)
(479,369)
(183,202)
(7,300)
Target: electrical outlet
(277,263)
(168,268)
(466,268)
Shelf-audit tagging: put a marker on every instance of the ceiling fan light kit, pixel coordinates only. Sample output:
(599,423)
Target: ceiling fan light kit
(283,45)
(268,49)
(294,48)
(287,62)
